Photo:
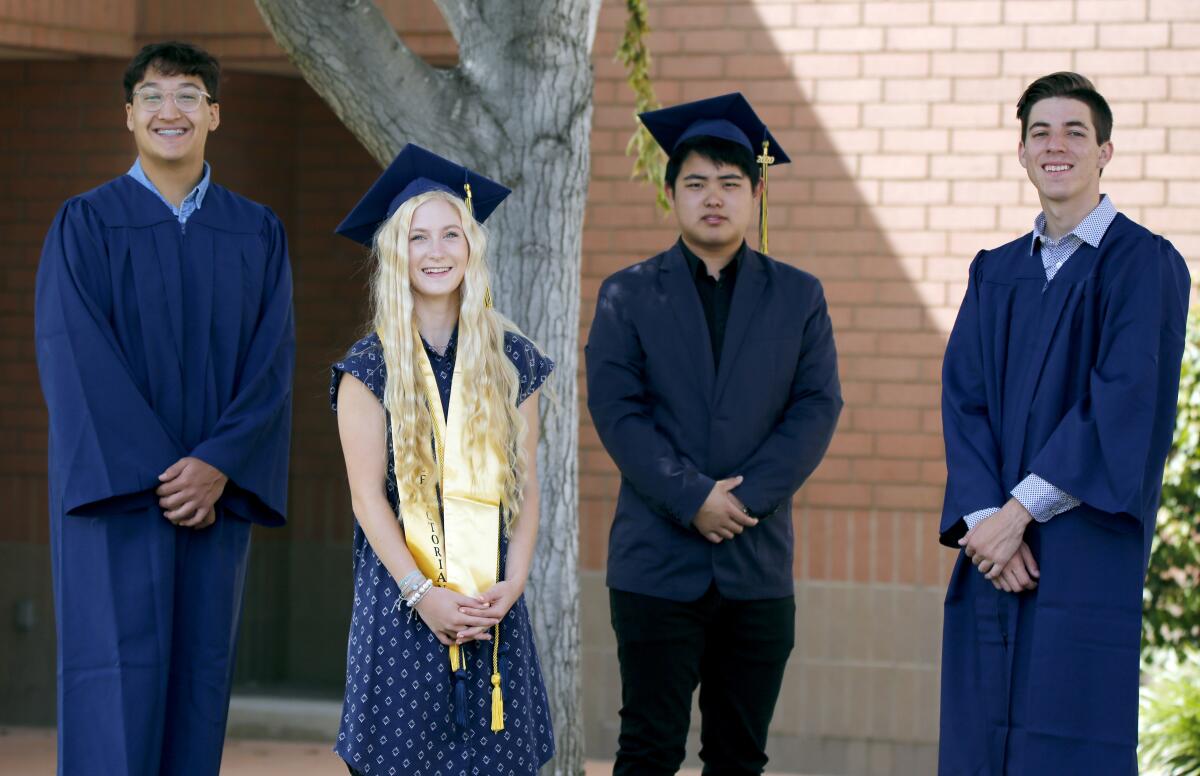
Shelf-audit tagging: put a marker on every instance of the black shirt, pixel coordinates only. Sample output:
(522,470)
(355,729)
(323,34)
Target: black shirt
(716,294)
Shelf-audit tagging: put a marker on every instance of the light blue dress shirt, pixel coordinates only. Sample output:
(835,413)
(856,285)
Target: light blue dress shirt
(1041,498)
(191,203)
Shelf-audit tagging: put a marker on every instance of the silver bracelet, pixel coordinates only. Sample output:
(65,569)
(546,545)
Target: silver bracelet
(410,579)
(416,597)
(419,595)
(411,583)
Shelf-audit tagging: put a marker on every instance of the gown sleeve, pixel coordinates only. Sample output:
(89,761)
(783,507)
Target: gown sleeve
(1102,449)
(250,443)
(972,453)
(107,445)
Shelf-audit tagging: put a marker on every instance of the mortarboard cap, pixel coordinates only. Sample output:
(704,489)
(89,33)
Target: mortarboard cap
(416,171)
(728,117)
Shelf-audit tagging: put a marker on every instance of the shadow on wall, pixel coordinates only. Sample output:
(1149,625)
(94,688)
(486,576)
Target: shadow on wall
(852,209)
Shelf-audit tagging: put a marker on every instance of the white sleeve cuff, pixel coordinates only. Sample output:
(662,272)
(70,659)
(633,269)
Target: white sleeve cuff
(1042,499)
(978,516)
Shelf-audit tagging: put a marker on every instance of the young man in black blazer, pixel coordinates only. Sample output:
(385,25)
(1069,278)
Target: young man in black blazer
(712,383)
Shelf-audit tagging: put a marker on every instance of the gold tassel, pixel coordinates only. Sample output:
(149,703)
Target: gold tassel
(487,292)
(497,705)
(497,696)
(765,160)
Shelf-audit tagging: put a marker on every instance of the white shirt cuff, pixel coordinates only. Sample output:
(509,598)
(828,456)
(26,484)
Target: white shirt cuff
(1042,499)
(978,516)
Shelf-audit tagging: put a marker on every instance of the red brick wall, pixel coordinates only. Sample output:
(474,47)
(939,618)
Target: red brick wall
(64,133)
(331,313)
(103,28)
(232,29)
(277,144)
(898,117)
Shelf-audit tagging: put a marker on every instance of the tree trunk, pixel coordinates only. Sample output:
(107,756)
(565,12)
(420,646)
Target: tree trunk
(518,109)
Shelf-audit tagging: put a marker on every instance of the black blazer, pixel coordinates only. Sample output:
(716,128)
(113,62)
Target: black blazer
(674,425)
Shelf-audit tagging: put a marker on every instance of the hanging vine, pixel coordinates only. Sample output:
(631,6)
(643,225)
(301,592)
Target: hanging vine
(649,161)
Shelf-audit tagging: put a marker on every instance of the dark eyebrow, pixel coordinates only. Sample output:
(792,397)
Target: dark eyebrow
(157,85)
(1046,124)
(725,176)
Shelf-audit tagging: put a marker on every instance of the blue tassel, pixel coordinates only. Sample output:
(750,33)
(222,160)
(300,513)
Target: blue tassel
(503,664)
(460,698)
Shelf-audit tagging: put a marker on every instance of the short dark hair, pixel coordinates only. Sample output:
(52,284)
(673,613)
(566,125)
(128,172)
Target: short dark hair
(715,149)
(1072,86)
(174,58)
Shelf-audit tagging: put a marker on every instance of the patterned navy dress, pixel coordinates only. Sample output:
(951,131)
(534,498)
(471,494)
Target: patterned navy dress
(397,718)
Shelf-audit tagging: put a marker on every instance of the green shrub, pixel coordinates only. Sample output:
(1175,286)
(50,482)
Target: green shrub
(1171,604)
(1169,719)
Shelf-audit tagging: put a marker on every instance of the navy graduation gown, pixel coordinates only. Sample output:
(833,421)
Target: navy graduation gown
(156,342)
(674,424)
(1075,381)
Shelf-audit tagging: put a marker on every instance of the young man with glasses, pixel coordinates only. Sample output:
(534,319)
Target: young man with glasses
(165,347)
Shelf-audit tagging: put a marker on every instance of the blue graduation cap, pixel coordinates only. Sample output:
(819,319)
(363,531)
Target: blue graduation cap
(416,171)
(728,117)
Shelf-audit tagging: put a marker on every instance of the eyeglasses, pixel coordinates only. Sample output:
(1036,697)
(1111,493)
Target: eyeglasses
(152,100)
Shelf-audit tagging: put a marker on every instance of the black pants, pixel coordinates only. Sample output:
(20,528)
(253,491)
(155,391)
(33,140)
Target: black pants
(735,650)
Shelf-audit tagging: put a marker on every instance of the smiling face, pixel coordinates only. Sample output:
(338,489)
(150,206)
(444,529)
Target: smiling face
(713,203)
(437,250)
(171,136)
(1060,153)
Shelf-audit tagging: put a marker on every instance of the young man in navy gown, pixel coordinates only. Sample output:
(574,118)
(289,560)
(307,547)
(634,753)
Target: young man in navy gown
(1059,392)
(165,348)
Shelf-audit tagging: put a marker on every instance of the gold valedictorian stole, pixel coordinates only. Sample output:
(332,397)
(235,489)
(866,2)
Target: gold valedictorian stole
(459,549)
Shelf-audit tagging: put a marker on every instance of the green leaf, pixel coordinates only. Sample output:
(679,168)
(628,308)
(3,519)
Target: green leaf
(1171,604)
(649,161)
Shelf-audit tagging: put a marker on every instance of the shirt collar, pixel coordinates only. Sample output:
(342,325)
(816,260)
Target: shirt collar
(196,195)
(1090,230)
(696,264)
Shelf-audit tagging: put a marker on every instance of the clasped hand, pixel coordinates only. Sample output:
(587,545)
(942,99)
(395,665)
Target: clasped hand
(722,516)
(190,488)
(997,548)
(456,619)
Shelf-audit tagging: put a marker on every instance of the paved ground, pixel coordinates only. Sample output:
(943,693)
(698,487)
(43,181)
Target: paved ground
(30,752)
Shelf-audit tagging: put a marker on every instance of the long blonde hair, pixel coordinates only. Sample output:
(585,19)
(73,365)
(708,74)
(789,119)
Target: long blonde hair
(487,377)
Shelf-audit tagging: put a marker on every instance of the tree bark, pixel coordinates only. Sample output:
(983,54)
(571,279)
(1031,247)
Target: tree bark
(516,108)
